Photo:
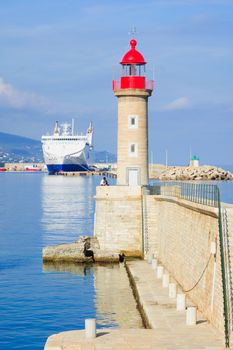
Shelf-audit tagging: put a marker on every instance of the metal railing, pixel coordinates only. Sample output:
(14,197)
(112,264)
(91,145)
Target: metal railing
(145,237)
(209,195)
(198,193)
(116,84)
(225,267)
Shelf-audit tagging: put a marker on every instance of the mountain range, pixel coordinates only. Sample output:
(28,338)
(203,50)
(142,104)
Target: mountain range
(14,148)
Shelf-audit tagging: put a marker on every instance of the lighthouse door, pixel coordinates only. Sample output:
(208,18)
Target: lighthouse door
(133,176)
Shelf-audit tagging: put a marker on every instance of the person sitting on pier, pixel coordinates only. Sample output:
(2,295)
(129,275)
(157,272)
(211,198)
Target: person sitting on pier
(104,182)
(88,253)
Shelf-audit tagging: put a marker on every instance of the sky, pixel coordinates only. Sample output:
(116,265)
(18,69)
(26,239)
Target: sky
(58,59)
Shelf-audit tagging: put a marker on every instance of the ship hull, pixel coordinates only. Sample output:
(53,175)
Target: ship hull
(55,168)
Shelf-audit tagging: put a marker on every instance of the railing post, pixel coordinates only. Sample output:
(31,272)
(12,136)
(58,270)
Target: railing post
(223,266)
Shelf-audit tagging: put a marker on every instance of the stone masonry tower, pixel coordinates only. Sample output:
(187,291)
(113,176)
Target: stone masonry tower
(132,91)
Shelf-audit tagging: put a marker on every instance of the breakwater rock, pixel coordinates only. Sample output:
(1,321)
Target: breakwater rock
(74,252)
(205,173)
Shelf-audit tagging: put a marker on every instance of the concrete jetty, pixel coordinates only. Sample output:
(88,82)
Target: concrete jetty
(187,228)
(168,326)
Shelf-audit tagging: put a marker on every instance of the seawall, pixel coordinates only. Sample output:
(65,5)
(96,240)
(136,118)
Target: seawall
(184,235)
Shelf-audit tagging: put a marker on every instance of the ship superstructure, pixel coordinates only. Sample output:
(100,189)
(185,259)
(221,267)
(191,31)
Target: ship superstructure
(65,151)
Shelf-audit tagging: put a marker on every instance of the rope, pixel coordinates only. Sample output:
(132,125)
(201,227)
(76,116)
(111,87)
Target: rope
(202,274)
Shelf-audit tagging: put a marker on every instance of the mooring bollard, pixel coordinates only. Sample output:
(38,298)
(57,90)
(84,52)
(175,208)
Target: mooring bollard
(172,290)
(149,258)
(165,280)
(154,264)
(159,271)
(90,328)
(180,302)
(191,316)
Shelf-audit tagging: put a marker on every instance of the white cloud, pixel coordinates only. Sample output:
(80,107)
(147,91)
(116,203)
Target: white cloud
(179,103)
(10,96)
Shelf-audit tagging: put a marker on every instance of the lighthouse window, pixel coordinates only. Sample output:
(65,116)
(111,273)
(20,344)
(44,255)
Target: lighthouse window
(133,150)
(133,121)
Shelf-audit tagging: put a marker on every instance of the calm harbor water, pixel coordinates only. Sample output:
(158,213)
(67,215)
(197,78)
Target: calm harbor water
(38,300)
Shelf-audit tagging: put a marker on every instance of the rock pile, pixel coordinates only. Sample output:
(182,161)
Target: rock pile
(205,173)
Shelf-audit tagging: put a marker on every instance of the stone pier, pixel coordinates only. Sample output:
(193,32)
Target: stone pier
(168,326)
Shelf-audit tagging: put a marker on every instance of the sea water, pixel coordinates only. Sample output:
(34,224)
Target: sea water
(36,299)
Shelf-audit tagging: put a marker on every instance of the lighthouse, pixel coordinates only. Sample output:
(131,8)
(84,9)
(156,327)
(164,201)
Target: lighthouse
(132,91)
(118,214)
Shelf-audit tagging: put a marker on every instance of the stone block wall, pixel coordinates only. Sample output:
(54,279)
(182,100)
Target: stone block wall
(118,218)
(181,233)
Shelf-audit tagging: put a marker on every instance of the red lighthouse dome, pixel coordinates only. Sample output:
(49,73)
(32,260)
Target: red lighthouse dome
(133,56)
(133,71)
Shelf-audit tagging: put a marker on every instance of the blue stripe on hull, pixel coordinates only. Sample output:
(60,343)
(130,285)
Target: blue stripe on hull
(54,168)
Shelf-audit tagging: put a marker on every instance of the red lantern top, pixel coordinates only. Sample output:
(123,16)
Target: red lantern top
(133,56)
(133,72)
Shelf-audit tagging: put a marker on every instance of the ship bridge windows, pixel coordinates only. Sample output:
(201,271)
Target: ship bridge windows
(59,140)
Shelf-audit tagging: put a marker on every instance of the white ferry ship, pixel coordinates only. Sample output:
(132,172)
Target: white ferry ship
(64,151)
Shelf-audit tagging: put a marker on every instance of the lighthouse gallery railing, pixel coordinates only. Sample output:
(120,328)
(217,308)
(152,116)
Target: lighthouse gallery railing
(116,85)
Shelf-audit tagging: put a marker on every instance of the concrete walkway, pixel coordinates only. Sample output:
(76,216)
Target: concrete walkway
(169,329)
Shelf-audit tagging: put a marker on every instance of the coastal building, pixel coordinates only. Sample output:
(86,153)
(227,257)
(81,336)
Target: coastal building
(132,91)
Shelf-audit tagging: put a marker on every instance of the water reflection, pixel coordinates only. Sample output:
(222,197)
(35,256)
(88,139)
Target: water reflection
(76,269)
(114,297)
(68,208)
(114,300)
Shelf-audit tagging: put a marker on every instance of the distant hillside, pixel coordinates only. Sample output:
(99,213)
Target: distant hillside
(14,148)
(10,140)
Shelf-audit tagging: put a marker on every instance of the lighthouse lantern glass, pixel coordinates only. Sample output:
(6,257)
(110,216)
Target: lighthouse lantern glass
(133,70)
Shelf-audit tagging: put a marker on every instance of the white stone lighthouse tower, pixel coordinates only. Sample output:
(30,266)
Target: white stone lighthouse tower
(132,91)
(118,216)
